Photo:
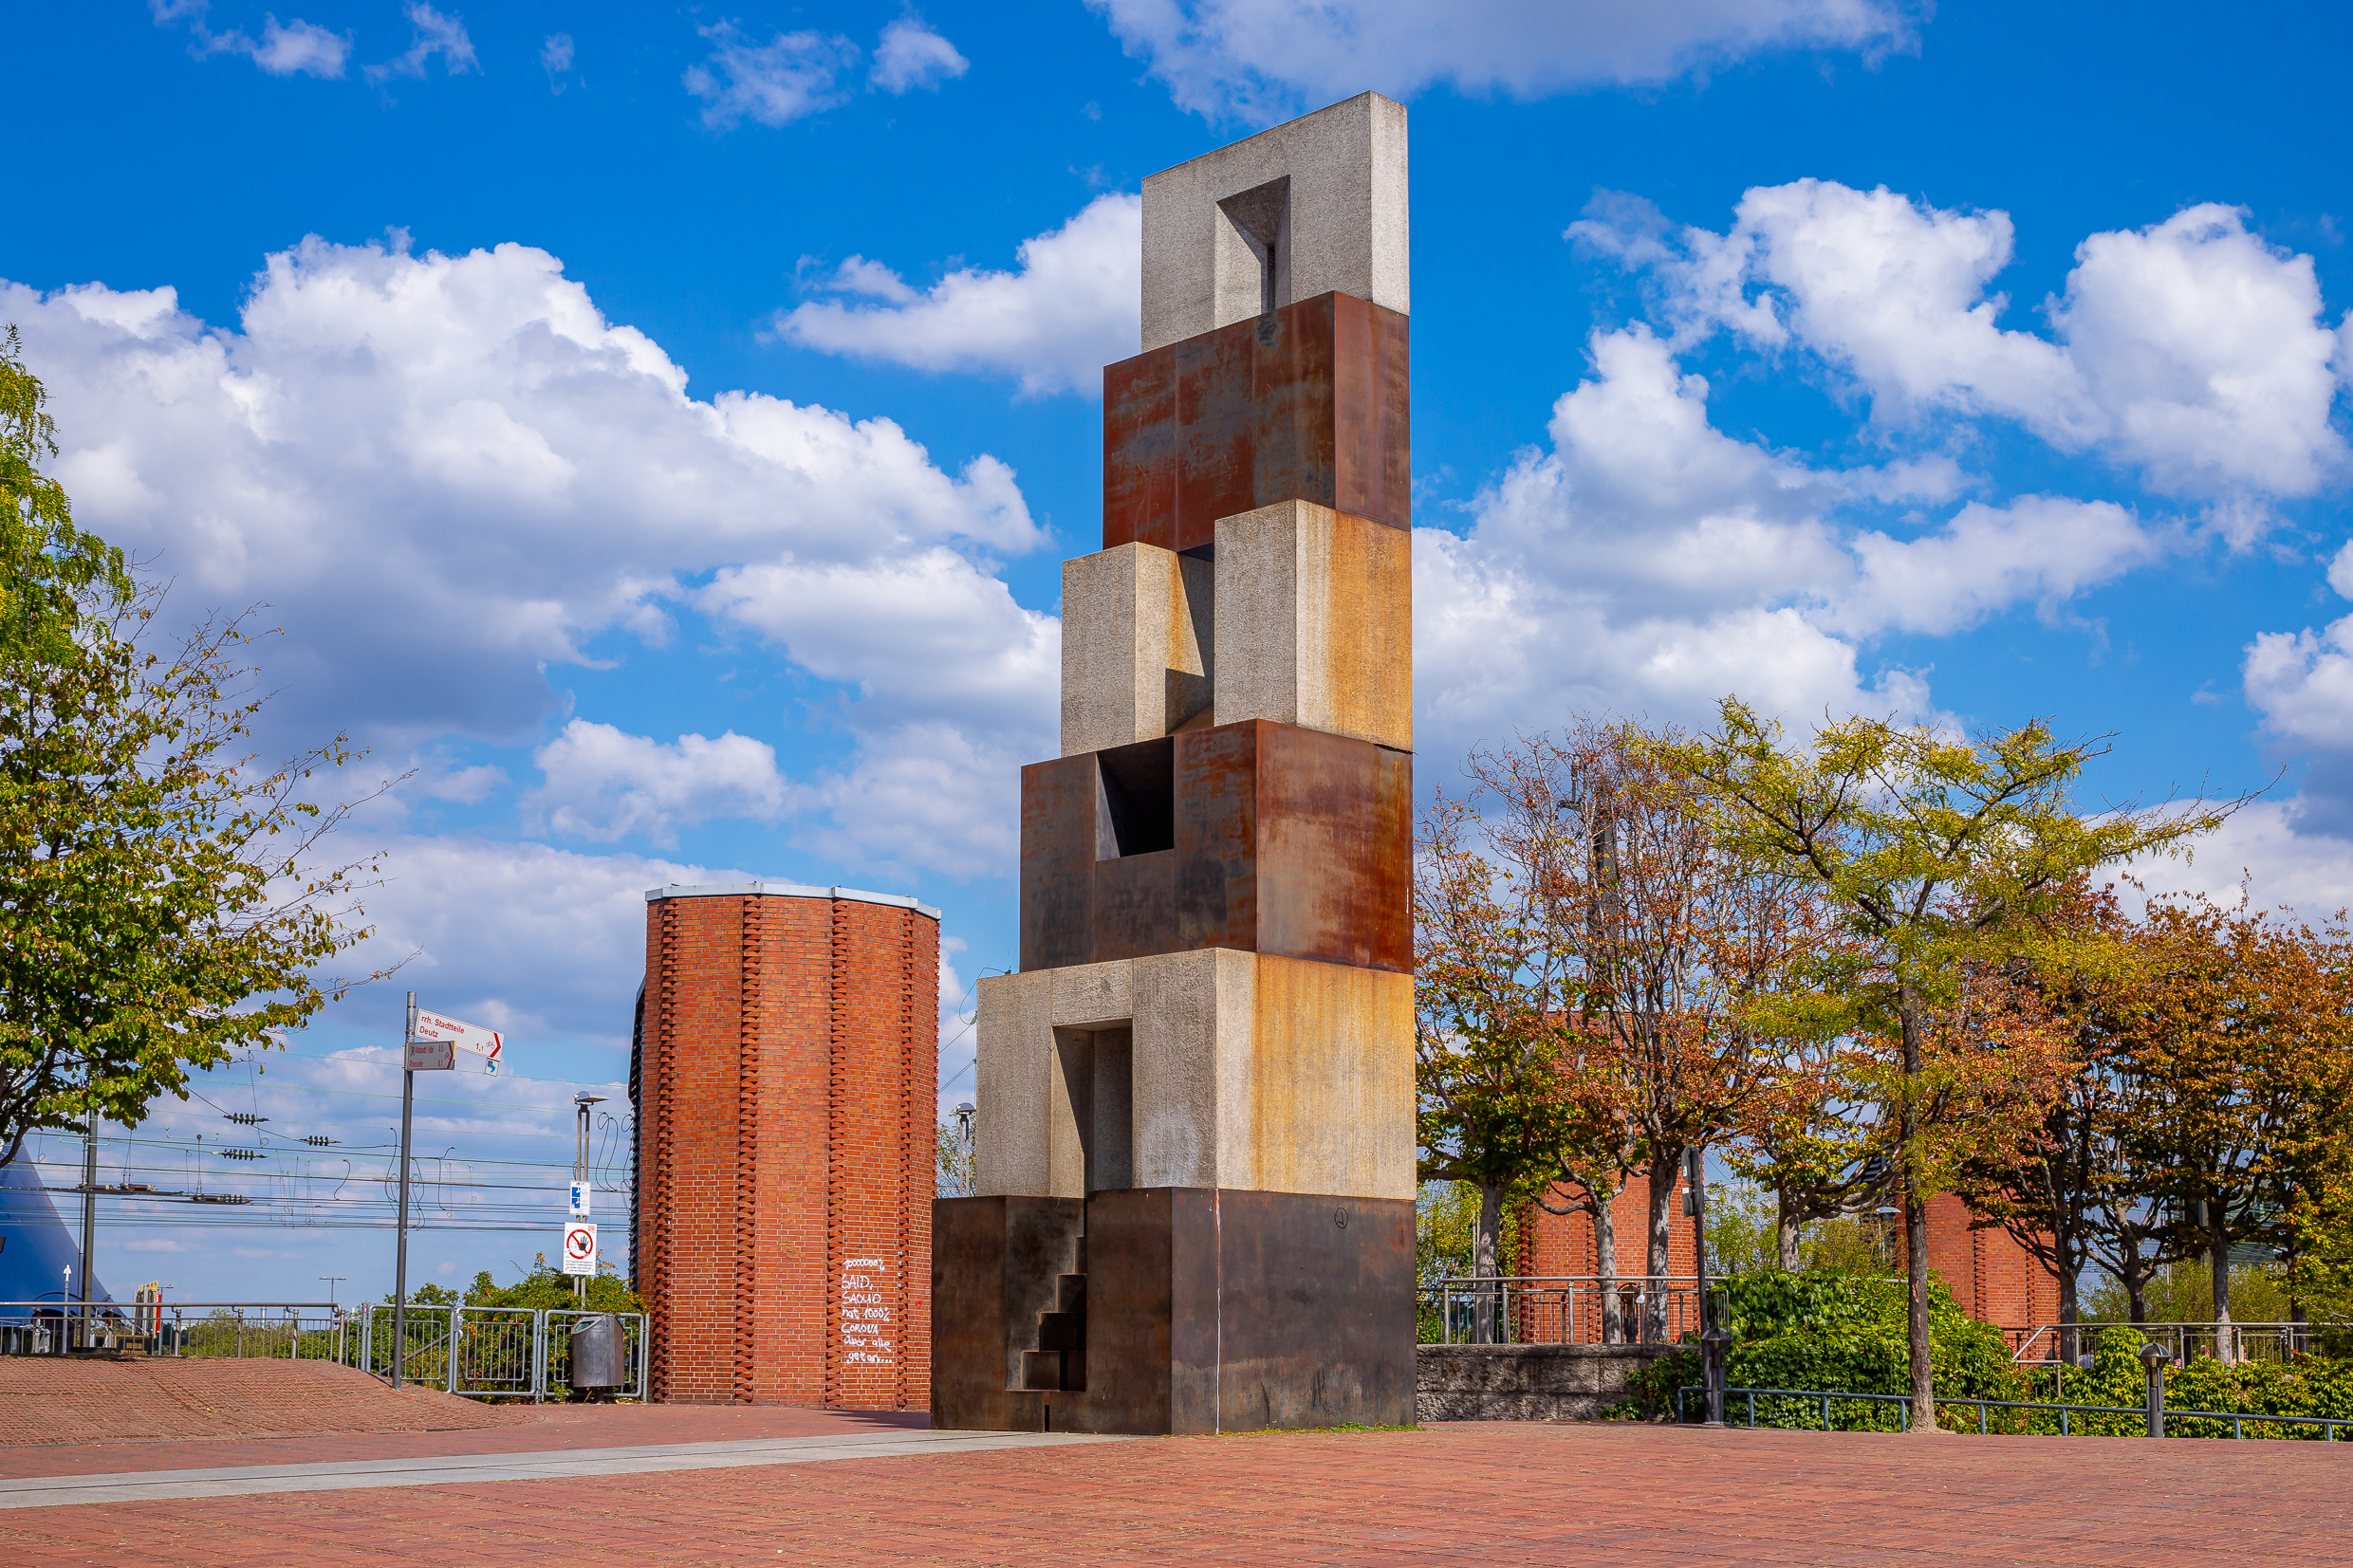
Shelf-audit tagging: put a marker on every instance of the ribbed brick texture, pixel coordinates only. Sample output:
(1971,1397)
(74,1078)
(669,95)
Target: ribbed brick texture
(786,1148)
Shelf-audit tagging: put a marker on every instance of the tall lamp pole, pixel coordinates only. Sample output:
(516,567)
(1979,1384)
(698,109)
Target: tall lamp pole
(89,1217)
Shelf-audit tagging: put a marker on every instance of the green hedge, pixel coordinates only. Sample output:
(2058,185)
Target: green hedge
(1843,1333)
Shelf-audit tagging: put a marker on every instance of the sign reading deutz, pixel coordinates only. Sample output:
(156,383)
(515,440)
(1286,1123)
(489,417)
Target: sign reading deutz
(487,1043)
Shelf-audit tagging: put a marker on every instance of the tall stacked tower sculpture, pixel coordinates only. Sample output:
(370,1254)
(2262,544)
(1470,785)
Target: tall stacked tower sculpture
(1194,1134)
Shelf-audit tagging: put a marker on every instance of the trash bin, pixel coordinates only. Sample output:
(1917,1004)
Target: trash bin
(599,1354)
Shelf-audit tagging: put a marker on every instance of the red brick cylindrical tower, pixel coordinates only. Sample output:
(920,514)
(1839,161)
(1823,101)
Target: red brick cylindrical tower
(786,1087)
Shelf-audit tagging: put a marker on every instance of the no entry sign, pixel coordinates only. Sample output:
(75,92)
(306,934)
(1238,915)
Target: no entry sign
(580,1247)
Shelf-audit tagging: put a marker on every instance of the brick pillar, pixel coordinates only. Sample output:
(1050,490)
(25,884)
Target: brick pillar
(788,1073)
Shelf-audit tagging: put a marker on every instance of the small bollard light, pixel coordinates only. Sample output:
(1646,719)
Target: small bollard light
(2154,1358)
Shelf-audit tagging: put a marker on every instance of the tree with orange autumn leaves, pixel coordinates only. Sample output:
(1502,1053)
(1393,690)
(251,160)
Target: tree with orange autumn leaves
(1592,969)
(1939,854)
(2209,1100)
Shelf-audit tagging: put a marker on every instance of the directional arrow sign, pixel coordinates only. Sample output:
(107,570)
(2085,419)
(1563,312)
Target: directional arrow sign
(487,1043)
(580,1249)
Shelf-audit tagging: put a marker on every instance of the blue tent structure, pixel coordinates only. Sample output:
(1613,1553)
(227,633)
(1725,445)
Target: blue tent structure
(36,1246)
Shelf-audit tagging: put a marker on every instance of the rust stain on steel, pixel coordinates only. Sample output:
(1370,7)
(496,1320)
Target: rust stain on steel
(1288,842)
(1309,403)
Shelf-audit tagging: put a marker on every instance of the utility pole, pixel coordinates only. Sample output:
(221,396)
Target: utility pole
(581,1101)
(400,1253)
(89,1216)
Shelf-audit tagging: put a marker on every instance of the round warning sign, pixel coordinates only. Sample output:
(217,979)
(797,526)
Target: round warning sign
(580,1247)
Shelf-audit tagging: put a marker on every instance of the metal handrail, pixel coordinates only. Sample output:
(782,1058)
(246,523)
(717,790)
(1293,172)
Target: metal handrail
(2178,1331)
(2328,1424)
(1664,1305)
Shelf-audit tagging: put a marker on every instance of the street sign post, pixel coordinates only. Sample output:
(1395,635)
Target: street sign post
(580,1249)
(582,1185)
(431,1056)
(428,1044)
(471,1037)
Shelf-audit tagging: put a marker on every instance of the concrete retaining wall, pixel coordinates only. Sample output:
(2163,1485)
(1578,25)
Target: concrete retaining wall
(1524,1382)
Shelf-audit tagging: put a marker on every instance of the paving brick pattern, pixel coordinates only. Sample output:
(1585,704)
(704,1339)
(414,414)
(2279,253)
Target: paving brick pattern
(1501,1494)
(519,1429)
(56,1400)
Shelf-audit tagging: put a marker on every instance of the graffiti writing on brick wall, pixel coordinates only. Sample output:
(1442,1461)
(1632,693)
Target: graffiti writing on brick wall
(868,1337)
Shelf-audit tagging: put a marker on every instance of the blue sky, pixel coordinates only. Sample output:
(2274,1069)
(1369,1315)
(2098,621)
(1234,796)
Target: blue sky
(659,430)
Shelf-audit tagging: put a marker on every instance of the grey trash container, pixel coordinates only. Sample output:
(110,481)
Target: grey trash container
(600,1361)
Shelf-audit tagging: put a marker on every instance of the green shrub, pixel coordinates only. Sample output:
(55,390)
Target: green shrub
(1838,1333)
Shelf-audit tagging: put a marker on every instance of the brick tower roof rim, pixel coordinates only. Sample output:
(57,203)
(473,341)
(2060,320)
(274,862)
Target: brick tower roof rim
(788,890)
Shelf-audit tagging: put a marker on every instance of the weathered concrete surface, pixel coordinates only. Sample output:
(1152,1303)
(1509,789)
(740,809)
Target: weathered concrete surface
(1013,1146)
(1135,643)
(1315,624)
(1327,188)
(1241,1071)
(1524,1382)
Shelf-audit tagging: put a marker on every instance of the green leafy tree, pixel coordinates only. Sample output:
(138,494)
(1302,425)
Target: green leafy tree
(51,572)
(1940,852)
(160,907)
(544,1286)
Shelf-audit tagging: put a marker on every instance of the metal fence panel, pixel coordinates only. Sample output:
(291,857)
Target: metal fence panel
(478,1353)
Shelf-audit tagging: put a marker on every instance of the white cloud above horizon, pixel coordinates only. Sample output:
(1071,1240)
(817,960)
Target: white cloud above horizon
(1261,61)
(1072,305)
(434,34)
(911,55)
(1647,563)
(293,48)
(2189,351)
(521,477)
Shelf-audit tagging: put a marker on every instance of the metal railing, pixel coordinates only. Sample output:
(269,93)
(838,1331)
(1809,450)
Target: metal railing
(2257,1341)
(274,1329)
(2239,1420)
(479,1352)
(1558,1309)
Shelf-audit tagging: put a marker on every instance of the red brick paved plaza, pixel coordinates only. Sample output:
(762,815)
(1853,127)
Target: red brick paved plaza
(1446,1494)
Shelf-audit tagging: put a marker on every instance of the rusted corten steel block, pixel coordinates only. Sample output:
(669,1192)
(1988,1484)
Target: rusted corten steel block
(1260,837)
(1207,1310)
(1309,402)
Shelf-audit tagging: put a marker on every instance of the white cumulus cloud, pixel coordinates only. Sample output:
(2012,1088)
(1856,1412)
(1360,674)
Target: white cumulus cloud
(446,473)
(436,34)
(1070,306)
(1264,60)
(604,784)
(911,55)
(289,48)
(2191,351)
(790,76)
(1649,563)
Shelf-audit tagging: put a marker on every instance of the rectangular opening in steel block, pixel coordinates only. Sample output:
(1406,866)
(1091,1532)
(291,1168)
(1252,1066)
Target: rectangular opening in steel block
(1135,799)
